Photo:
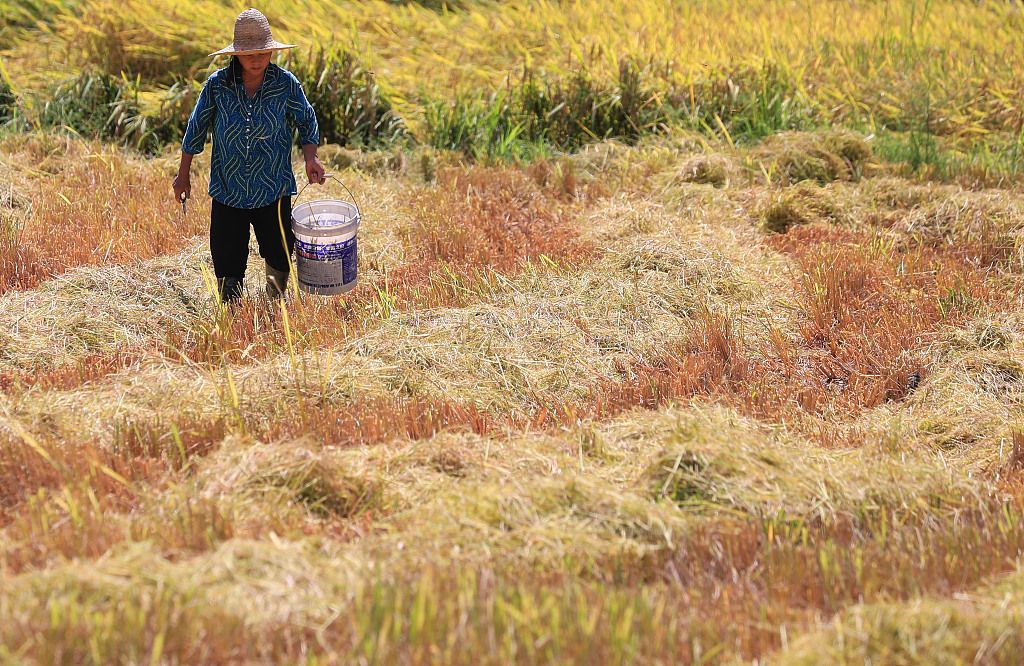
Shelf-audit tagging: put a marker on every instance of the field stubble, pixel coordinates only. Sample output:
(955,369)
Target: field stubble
(740,395)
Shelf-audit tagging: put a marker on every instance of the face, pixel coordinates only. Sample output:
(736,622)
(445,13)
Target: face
(255,63)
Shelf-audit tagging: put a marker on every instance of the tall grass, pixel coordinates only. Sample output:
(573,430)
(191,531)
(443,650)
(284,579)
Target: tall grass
(537,113)
(992,162)
(747,104)
(86,105)
(151,42)
(351,108)
(22,15)
(96,105)
(942,69)
(8,100)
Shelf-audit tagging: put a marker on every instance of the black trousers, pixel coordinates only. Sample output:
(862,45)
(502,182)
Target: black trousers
(229,241)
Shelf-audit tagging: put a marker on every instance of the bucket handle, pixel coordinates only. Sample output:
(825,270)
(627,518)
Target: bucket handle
(359,210)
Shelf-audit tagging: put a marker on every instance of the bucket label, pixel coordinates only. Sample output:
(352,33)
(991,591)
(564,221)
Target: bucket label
(326,265)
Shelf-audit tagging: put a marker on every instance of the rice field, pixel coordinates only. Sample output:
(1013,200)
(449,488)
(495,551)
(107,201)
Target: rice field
(738,379)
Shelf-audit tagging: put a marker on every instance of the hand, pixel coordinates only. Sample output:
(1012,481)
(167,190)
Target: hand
(182,185)
(315,171)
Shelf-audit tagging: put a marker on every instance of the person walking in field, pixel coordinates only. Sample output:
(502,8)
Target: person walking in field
(251,107)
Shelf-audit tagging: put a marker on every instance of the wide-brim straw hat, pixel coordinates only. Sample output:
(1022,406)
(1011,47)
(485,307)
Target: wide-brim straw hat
(252,35)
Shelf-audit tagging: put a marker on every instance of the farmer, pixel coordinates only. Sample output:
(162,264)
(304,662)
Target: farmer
(250,105)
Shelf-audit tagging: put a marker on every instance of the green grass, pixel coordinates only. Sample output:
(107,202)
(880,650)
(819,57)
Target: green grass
(8,100)
(351,108)
(538,115)
(995,160)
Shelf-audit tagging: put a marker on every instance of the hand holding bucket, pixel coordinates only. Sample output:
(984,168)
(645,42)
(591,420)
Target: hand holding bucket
(315,171)
(326,251)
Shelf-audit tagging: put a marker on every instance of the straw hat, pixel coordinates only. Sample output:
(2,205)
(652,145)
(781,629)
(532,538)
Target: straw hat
(252,35)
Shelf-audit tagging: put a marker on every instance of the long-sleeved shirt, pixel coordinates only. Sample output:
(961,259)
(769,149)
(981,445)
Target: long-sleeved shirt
(252,136)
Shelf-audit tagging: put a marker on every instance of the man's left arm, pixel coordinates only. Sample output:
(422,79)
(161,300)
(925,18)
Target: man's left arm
(301,113)
(314,170)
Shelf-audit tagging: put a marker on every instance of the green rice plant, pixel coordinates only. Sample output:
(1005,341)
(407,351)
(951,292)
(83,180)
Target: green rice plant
(956,300)
(995,160)
(351,108)
(8,100)
(567,114)
(84,104)
(483,129)
(540,113)
(103,106)
(747,104)
(918,149)
(151,131)
(176,104)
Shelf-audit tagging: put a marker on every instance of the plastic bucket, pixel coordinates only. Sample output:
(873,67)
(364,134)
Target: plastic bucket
(326,248)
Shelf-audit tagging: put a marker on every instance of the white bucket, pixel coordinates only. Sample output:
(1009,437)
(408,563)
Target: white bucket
(326,254)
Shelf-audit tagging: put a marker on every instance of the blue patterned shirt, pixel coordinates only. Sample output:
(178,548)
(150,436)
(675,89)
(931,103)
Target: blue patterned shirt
(251,163)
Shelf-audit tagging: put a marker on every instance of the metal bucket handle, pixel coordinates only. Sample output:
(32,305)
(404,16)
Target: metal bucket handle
(359,210)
